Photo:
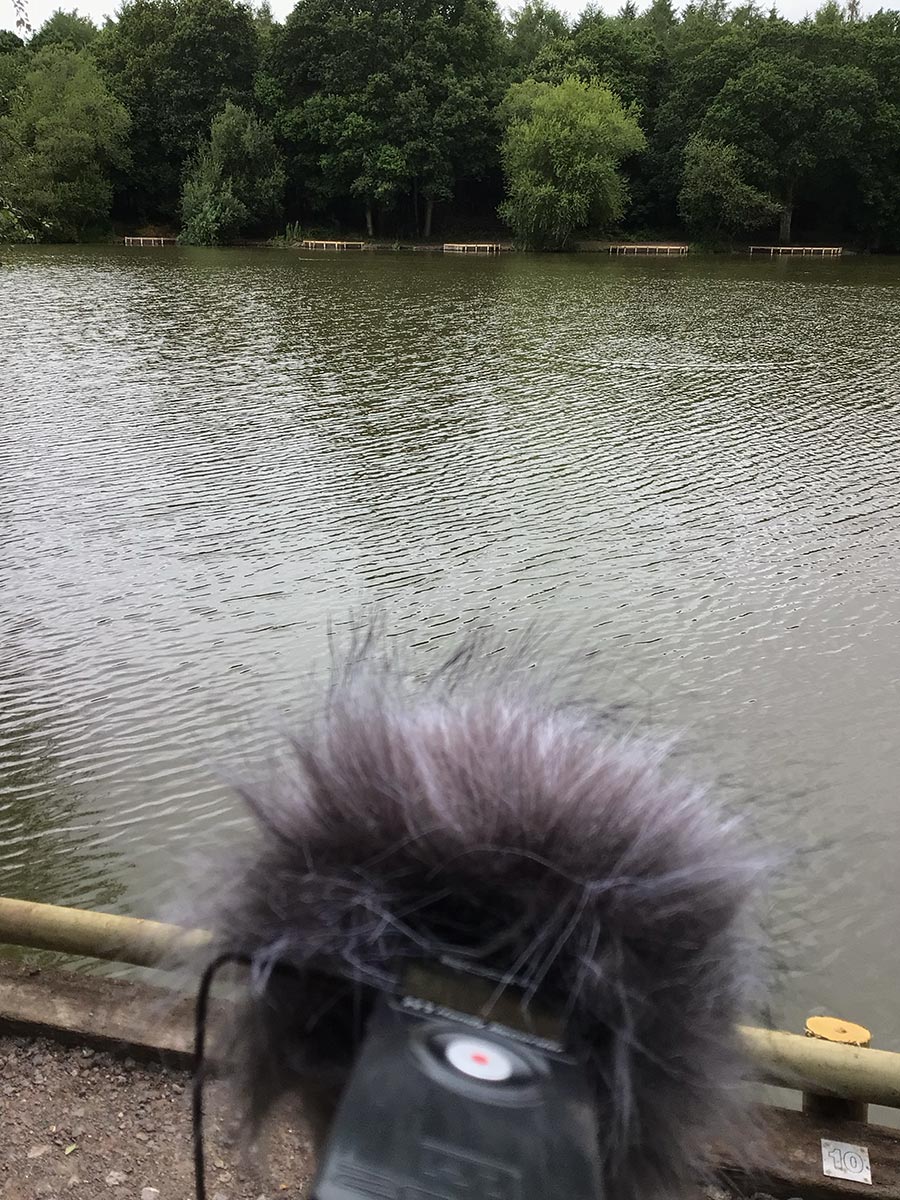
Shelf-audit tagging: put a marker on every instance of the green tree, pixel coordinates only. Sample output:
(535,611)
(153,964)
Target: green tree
(795,125)
(532,27)
(386,100)
(714,198)
(174,64)
(559,60)
(9,42)
(829,13)
(702,55)
(13,65)
(392,108)
(264,21)
(59,142)
(561,154)
(65,29)
(14,227)
(14,60)
(234,184)
(629,53)
(746,14)
(874,204)
(624,52)
(357,154)
(662,20)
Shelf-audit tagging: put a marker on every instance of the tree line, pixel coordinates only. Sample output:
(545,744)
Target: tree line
(417,118)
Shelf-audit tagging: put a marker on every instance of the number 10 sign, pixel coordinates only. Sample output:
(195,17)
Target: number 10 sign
(843,1161)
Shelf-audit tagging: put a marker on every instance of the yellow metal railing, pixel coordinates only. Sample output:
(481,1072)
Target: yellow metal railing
(785,1059)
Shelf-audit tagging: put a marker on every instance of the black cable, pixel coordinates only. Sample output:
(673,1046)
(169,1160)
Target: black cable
(201,1008)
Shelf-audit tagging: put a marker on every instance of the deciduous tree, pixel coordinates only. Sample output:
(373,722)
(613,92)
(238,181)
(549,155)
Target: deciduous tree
(794,123)
(65,29)
(532,27)
(63,136)
(715,199)
(390,100)
(562,150)
(235,182)
(174,64)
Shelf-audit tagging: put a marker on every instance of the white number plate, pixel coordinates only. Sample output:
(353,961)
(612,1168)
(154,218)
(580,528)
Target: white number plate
(840,1160)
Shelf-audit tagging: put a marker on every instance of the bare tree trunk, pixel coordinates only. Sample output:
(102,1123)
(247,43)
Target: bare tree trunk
(784,228)
(429,212)
(415,200)
(370,229)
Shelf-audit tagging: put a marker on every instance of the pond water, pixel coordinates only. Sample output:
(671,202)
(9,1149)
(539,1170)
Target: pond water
(685,472)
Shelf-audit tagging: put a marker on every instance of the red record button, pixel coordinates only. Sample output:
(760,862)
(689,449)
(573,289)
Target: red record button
(478,1059)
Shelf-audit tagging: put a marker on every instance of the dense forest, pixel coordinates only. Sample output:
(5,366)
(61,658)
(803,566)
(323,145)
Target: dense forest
(423,118)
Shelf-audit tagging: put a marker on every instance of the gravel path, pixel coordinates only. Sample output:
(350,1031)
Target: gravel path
(82,1124)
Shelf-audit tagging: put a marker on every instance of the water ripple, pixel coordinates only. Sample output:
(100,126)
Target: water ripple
(686,472)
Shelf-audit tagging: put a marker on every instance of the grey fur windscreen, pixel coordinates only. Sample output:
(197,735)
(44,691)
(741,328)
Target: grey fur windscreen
(525,837)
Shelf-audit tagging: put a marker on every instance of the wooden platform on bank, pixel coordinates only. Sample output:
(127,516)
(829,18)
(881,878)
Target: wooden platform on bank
(803,251)
(648,248)
(330,244)
(474,247)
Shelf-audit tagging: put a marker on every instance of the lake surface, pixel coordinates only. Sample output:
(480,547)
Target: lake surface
(684,471)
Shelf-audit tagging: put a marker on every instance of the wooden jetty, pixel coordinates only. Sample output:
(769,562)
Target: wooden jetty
(803,251)
(149,241)
(648,248)
(330,244)
(474,247)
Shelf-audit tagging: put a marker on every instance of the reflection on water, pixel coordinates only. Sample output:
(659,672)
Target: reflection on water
(684,471)
(47,837)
